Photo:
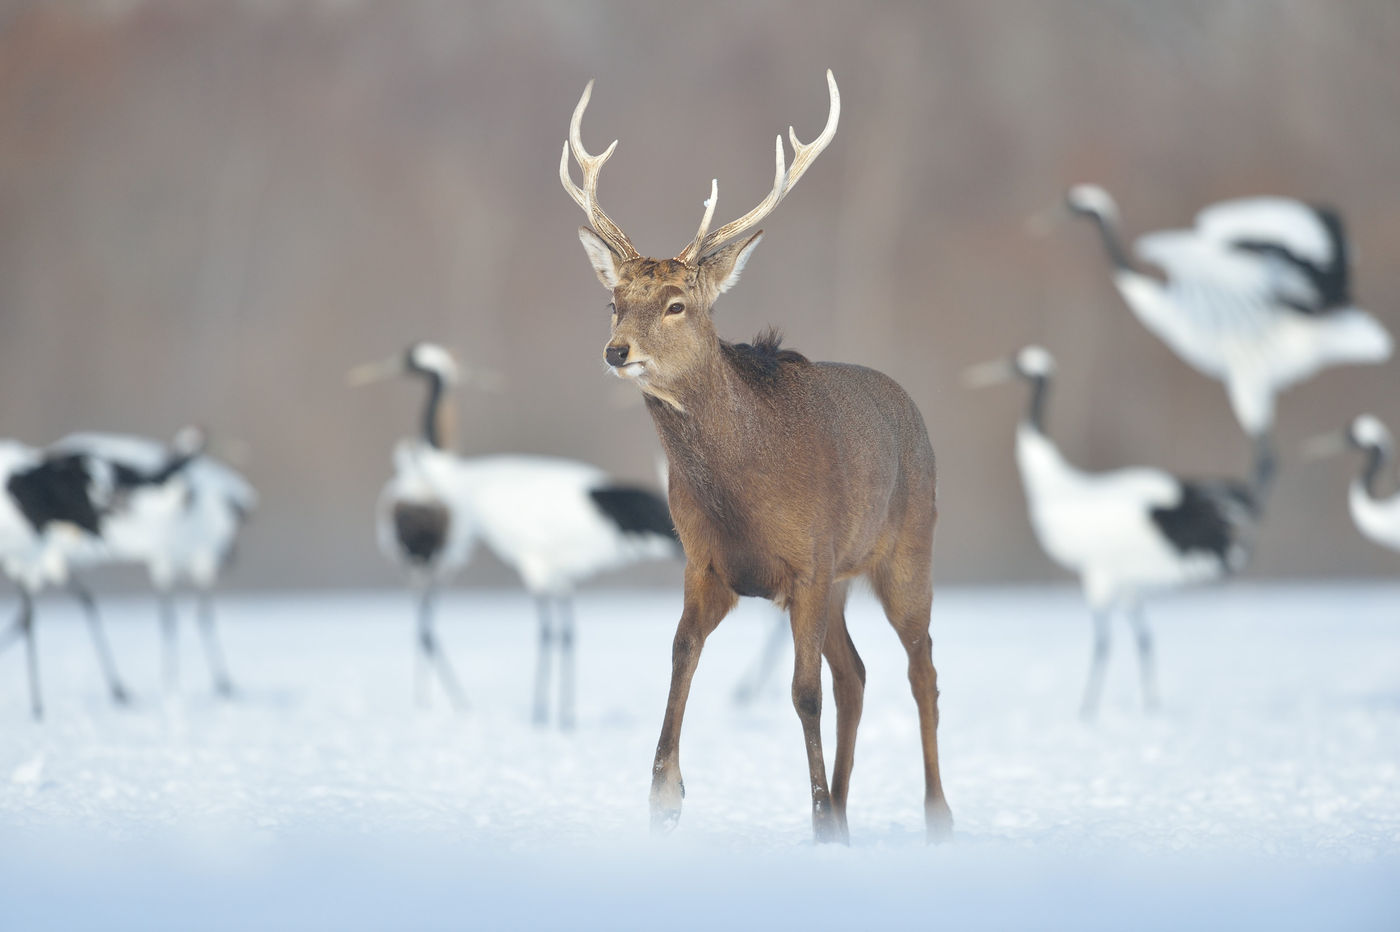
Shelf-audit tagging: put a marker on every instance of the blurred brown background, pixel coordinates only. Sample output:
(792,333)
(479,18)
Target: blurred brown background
(209,211)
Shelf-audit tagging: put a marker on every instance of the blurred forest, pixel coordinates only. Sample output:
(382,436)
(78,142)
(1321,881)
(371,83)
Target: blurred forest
(210,211)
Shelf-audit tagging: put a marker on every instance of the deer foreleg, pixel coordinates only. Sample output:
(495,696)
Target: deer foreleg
(707,601)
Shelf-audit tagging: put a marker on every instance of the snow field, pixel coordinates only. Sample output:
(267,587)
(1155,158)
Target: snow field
(1264,793)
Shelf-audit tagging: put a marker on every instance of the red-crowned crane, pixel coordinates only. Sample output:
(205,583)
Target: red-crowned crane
(1126,533)
(1376,514)
(182,530)
(556,522)
(53,512)
(1257,294)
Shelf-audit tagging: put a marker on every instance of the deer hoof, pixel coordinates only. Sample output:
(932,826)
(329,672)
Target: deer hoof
(664,821)
(938,819)
(830,832)
(666,799)
(827,826)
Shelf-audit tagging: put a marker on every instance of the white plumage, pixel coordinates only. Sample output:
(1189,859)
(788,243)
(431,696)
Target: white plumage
(1126,533)
(1101,526)
(1257,295)
(556,522)
(182,529)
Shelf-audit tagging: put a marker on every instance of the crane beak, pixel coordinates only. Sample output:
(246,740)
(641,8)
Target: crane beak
(988,374)
(489,381)
(372,372)
(1323,446)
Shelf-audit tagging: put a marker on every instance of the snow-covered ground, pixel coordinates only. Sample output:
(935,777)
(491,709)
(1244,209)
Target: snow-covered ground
(1265,794)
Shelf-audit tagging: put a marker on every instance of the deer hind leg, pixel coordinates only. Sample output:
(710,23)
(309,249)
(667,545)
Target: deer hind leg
(811,606)
(848,685)
(707,601)
(904,587)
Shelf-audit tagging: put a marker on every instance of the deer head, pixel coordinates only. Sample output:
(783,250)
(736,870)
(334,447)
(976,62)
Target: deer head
(661,326)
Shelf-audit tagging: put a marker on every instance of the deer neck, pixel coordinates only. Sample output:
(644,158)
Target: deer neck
(709,424)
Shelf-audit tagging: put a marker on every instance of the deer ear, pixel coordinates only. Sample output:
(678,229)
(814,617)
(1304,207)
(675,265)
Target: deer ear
(722,267)
(605,261)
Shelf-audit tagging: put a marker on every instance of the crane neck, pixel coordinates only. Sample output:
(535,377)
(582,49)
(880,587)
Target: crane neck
(1035,412)
(1377,456)
(1113,242)
(1265,466)
(435,412)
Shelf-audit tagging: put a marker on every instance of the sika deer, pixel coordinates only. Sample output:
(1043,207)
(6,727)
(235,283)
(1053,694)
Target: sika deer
(788,478)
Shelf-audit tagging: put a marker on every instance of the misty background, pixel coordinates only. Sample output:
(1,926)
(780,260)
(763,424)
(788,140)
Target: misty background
(210,211)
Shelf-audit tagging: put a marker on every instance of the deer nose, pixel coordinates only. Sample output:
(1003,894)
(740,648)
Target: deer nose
(615,355)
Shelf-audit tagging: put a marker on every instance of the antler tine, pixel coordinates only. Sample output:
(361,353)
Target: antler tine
(803,156)
(691,253)
(591,165)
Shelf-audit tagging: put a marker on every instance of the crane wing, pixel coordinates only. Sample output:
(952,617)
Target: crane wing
(1223,289)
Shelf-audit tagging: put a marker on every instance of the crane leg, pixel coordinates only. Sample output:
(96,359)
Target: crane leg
(752,682)
(213,651)
(566,663)
(1089,708)
(1147,664)
(432,651)
(31,652)
(422,685)
(11,634)
(170,638)
(543,660)
(1265,465)
(99,641)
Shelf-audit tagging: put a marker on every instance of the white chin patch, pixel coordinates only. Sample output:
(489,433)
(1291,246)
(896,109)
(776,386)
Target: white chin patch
(630,371)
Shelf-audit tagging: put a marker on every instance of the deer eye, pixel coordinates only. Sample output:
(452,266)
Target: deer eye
(675,308)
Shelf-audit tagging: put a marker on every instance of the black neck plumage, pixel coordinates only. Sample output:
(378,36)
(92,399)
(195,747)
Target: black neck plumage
(1376,458)
(1035,414)
(432,420)
(1113,243)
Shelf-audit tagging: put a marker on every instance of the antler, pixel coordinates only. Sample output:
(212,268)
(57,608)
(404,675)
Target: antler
(783,181)
(587,197)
